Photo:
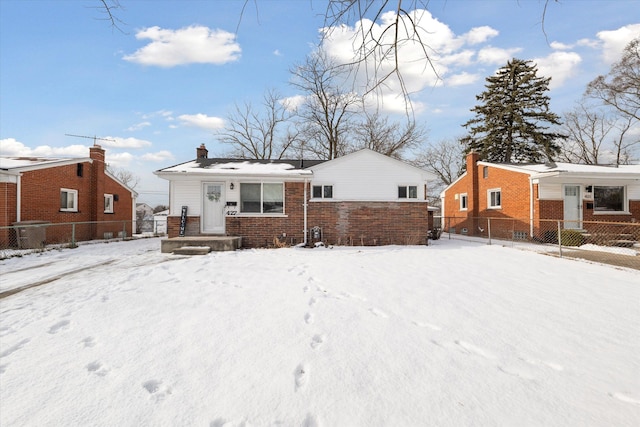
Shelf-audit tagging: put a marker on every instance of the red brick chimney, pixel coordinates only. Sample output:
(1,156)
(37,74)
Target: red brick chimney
(97,154)
(202,152)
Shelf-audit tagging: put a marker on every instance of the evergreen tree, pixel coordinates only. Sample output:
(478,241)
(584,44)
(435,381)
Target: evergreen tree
(512,122)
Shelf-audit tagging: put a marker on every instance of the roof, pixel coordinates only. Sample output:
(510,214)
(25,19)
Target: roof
(19,164)
(224,166)
(566,168)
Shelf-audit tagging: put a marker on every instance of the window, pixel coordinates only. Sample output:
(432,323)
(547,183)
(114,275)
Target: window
(608,199)
(261,198)
(79,170)
(464,202)
(407,192)
(68,200)
(485,171)
(108,203)
(494,198)
(322,191)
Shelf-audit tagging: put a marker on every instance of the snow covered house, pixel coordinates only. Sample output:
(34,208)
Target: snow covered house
(575,194)
(363,198)
(64,190)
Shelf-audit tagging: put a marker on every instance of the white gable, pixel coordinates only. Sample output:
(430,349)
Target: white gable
(369,176)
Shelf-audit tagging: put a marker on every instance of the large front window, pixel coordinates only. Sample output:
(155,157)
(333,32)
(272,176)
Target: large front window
(261,198)
(608,199)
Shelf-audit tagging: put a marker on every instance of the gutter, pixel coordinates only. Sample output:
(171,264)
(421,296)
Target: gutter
(304,209)
(530,206)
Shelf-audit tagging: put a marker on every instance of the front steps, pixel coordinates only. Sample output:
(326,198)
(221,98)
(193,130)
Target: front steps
(190,243)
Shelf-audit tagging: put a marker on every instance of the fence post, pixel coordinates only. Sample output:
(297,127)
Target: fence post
(559,239)
(449,227)
(489,229)
(73,235)
(124,230)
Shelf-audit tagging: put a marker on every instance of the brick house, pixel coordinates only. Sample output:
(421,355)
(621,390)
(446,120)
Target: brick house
(575,194)
(364,198)
(64,190)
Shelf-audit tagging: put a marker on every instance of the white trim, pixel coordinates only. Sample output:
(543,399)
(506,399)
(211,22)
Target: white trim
(75,199)
(465,197)
(494,190)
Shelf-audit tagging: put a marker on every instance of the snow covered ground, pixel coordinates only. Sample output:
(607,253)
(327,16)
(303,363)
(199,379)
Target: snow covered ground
(453,334)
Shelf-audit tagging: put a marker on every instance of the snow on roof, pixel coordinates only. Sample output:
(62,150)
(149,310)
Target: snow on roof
(567,168)
(245,167)
(20,162)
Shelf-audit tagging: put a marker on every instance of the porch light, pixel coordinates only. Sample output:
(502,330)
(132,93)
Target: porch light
(231,186)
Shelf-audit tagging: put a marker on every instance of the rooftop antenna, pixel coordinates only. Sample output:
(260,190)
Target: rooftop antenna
(95,138)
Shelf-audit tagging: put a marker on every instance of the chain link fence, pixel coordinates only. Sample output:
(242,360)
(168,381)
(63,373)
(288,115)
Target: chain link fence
(37,236)
(615,243)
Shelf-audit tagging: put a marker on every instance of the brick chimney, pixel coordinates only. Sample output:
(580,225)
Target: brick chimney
(96,153)
(202,152)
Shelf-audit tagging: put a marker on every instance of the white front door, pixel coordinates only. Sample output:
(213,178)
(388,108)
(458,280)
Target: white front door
(213,207)
(572,207)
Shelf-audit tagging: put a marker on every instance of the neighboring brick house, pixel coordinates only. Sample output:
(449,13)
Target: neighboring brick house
(364,198)
(529,193)
(64,190)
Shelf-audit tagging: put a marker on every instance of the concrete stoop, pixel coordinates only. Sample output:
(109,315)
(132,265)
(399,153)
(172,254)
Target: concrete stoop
(198,243)
(192,250)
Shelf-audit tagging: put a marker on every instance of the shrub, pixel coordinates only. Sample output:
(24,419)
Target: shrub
(572,238)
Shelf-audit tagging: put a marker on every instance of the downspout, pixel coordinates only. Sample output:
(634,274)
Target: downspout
(18,197)
(530,206)
(304,209)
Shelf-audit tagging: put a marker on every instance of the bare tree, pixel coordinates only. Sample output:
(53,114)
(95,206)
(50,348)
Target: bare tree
(598,137)
(264,134)
(620,88)
(327,110)
(389,138)
(126,177)
(445,158)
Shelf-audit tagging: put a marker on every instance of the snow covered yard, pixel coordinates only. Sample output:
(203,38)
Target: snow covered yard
(452,334)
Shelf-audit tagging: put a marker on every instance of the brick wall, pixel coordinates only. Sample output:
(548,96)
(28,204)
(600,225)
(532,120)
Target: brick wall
(40,200)
(370,223)
(342,223)
(259,231)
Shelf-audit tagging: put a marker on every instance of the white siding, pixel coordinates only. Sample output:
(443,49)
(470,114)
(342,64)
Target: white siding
(547,191)
(633,192)
(368,176)
(185,193)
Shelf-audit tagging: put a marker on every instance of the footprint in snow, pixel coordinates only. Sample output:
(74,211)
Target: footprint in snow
(301,376)
(97,368)
(379,313)
(61,325)
(14,348)
(308,318)
(427,325)
(312,301)
(470,348)
(317,341)
(310,421)
(156,389)
(89,342)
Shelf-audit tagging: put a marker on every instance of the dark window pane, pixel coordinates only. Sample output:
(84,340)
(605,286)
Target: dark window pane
(317,191)
(402,192)
(250,198)
(608,199)
(328,191)
(413,192)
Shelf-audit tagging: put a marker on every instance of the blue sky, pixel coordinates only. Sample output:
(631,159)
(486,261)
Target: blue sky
(165,84)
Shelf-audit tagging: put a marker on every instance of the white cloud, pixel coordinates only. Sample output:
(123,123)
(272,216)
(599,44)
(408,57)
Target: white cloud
(560,46)
(202,121)
(292,103)
(12,147)
(560,66)
(160,156)
(138,126)
(496,55)
(119,160)
(118,142)
(614,42)
(277,52)
(462,79)
(479,35)
(194,44)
